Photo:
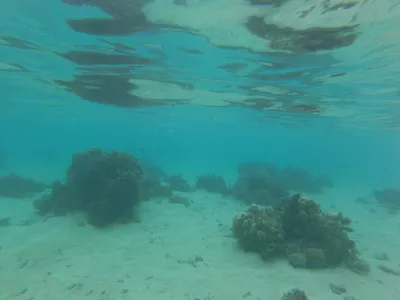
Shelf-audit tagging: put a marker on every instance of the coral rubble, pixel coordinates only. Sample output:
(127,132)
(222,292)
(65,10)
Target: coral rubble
(176,199)
(104,185)
(295,294)
(298,230)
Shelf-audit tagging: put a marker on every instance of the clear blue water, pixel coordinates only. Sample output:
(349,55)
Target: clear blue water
(198,87)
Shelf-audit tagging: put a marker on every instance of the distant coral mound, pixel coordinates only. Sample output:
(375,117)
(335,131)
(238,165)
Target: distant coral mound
(15,186)
(389,198)
(213,184)
(151,188)
(266,184)
(257,184)
(152,183)
(104,185)
(298,230)
(297,179)
(178,183)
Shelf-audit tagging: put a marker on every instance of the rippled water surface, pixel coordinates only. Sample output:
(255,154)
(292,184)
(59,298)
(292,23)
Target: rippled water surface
(290,59)
(212,105)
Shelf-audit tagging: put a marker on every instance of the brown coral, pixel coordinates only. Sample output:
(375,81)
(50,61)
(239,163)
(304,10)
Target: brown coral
(297,229)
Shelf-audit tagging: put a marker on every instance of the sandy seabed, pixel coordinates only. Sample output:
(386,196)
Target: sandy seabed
(178,252)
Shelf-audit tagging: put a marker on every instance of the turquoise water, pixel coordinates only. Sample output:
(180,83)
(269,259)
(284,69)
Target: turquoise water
(197,87)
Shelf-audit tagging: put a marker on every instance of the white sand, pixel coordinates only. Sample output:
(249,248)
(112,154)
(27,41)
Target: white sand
(58,259)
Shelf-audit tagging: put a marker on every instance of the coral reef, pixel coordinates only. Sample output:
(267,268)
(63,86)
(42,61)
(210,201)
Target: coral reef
(178,183)
(153,171)
(295,294)
(59,202)
(260,168)
(266,184)
(388,198)
(212,184)
(297,229)
(259,230)
(15,186)
(151,188)
(256,185)
(300,180)
(152,183)
(104,185)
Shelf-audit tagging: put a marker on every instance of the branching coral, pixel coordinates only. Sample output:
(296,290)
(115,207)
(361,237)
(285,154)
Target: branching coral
(299,230)
(260,230)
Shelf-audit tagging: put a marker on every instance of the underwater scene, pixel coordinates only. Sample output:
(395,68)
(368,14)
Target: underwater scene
(200,150)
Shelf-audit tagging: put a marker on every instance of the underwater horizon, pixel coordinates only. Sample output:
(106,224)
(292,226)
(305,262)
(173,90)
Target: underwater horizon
(200,149)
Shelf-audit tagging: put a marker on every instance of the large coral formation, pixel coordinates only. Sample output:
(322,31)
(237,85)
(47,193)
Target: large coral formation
(15,186)
(104,185)
(212,184)
(297,229)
